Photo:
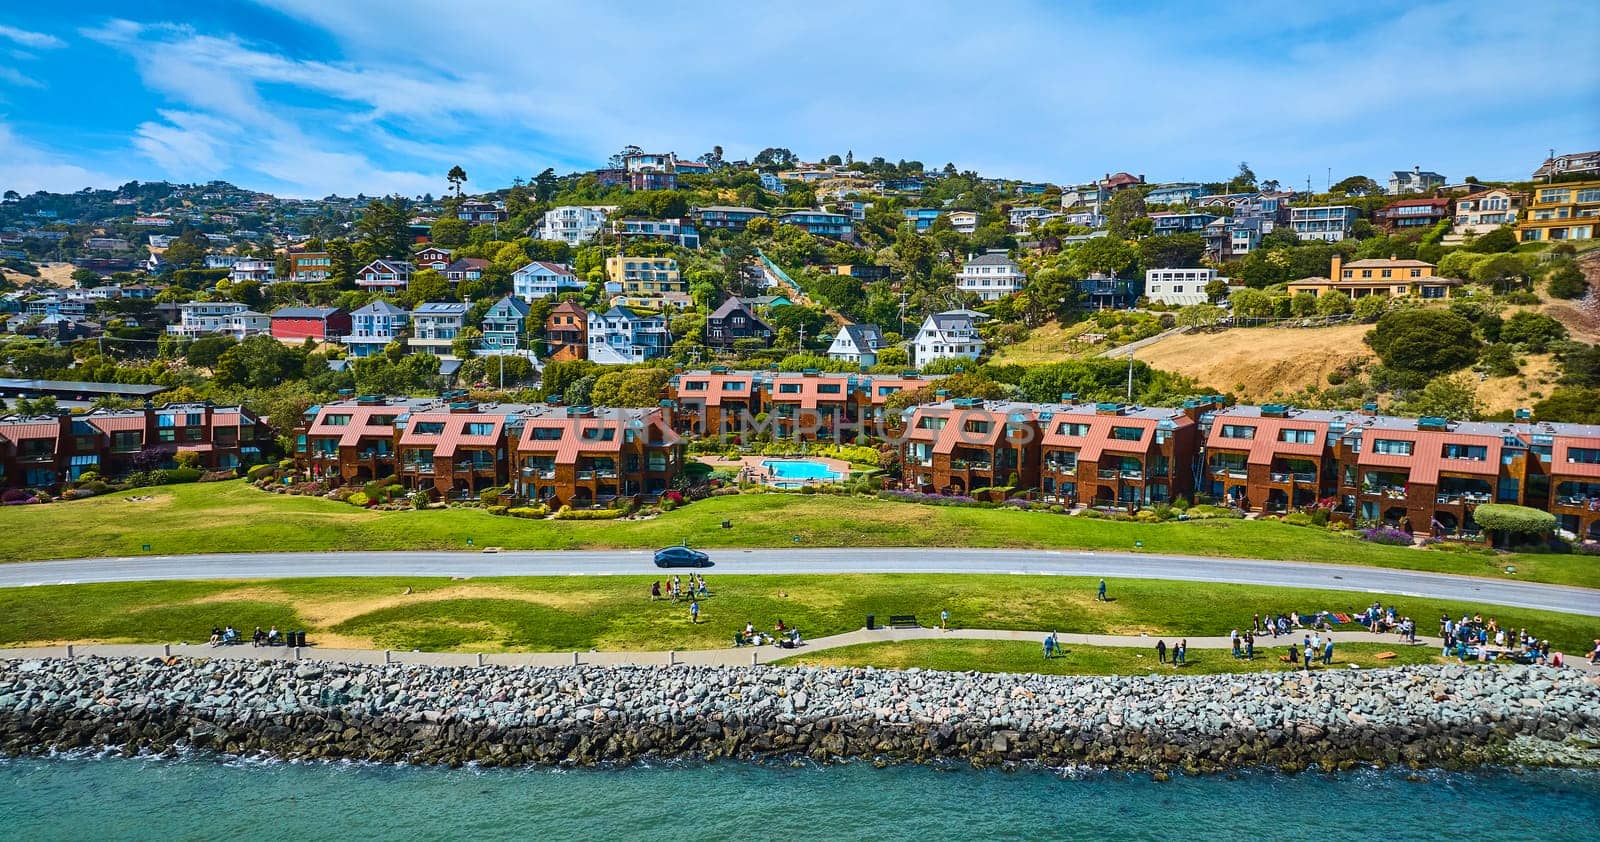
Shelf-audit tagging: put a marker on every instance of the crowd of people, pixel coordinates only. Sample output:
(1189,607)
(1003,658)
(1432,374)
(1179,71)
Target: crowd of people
(782,636)
(677,591)
(1474,638)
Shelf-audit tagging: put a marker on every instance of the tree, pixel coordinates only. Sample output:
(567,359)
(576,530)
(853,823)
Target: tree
(1459,264)
(1564,280)
(1245,181)
(1252,303)
(1369,308)
(774,158)
(1450,396)
(207,350)
(1333,303)
(894,358)
(1510,521)
(259,362)
(1200,315)
(1533,331)
(1216,291)
(1499,240)
(457,176)
(1500,271)
(1124,207)
(1171,251)
(1103,255)
(544,185)
(187,251)
(384,228)
(85,277)
(1572,404)
(461,346)
(449,232)
(1303,304)
(428,285)
(1357,185)
(629,387)
(1424,342)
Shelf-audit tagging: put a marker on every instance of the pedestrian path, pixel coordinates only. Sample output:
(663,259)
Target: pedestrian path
(738,656)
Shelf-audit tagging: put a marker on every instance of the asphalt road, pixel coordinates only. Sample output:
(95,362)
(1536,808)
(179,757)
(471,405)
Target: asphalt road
(1112,566)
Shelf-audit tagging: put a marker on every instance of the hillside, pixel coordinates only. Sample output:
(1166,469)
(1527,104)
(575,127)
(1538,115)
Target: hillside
(1258,363)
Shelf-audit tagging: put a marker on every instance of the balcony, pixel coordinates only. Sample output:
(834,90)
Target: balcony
(539,471)
(419,468)
(1233,471)
(1293,476)
(1126,474)
(1106,473)
(970,465)
(380,455)
(474,467)
(585,475)
(1061,467)
(1458,498)
(1388,492)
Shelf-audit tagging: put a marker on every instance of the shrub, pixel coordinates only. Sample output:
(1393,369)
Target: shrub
(1514,520)
(1387,535)
(359,498)
(1319,517)
(927,499)
(533,512)
(260,472)
(76,494)
(219,476)
(419,500)
(569,513)
(14,496)
(668,505)
(1297,519)
(187,459)
(181,475)
(725,492)
(87,477)
(1209,512)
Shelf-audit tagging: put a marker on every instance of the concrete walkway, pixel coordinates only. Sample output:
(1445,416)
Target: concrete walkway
(741,656)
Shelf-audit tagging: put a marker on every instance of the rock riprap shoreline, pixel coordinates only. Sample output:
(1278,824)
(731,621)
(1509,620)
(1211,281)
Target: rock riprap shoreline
(1449,716)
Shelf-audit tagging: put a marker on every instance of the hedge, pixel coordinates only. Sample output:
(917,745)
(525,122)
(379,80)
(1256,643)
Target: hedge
(569,513)
(1520,520)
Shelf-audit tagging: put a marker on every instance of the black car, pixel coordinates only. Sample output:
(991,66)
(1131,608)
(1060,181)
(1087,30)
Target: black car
(681,557)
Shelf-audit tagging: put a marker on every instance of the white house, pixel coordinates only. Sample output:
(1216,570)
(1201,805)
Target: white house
(964,222)
(1027,217)
(1479,213)
(391,276)
(373,327)
(573,224)
(952,334)
(991,275)
(1417,180)
(620,336)
(543,279)
(434,327)
(201,318)
(858,344)
(1179,287)
(253,269)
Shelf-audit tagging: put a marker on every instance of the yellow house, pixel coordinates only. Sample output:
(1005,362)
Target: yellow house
(645,276)
(1392,278)
(1558,212)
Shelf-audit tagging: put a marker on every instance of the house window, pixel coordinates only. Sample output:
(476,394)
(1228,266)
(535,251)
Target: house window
(1234,431)
(124,441)
(1067,428)
(336,420)
(1127,433)
(546,433)
(828,388)
(1583,455)
(1298,436)
(929,422)
(1392,447)
(192,433)
(480,428)
(600,434)
(733,385)
(788,388)
(974,425)
(694,386)
(428,428)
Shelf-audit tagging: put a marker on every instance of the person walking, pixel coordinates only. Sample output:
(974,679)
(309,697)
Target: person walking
(1294,656)
(1161,650)
(1102,594)
(1327,653)
(1233,643)
(1249,646)
(944,619)
(655,590)
(1182,653)
(1049,646)
(1311,655)
(694,611)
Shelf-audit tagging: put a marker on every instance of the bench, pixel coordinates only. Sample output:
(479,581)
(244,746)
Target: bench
(904,621)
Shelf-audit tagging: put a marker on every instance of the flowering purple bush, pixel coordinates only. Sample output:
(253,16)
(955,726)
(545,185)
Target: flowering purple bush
(1587,548)
(928,499)
(1385,535)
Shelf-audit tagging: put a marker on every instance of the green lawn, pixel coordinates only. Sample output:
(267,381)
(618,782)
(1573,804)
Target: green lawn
(235,517)
(1014,656)
(565,613)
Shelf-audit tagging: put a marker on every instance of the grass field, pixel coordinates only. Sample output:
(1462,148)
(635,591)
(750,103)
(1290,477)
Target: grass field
(1260,364)
(235,517)
(1014,656)
(566,613)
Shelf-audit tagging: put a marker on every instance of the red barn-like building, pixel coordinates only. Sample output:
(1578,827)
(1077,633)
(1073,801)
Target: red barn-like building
(296,323)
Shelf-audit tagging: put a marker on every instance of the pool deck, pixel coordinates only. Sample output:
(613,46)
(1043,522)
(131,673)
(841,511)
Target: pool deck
(750,469)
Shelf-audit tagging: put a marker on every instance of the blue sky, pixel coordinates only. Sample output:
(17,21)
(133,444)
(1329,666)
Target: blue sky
(308,97)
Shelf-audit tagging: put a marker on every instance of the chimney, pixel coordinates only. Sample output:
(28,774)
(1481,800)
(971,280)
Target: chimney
(1338,264)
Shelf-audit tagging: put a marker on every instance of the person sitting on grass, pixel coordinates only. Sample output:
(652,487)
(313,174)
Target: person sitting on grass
(1594,654)
(216,636)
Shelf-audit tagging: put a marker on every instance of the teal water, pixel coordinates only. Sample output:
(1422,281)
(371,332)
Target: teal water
(799,469)
(116,799)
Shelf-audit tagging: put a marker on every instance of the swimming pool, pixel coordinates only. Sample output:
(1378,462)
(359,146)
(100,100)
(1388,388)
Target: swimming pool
(799,469)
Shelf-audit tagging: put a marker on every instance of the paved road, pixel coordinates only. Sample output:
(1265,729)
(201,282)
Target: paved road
(1112,566)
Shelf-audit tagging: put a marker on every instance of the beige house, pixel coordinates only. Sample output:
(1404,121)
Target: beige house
(1392,277)
(1479,213)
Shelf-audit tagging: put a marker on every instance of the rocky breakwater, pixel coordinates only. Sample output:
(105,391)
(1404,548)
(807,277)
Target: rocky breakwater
(1421,716)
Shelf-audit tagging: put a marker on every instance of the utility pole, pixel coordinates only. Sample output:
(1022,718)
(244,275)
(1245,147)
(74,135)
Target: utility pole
(1130,375)
(801,349)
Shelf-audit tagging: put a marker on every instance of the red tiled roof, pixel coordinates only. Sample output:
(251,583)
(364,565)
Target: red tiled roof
(1265,446)
(1427,454)
(454,434)
(116,423)
(1099,438)
(1559,464)
(714,393)
(360,426)
(899,383)
(31,430)
(955,432)
(810,393)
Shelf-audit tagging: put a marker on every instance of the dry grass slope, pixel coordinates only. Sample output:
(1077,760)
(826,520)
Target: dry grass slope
(1265,362)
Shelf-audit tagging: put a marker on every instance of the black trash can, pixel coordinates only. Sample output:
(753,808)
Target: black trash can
(300,638)
(872,621)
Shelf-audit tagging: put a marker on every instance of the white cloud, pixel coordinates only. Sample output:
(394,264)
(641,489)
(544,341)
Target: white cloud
(13,76)
(36,40)
(26,167)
